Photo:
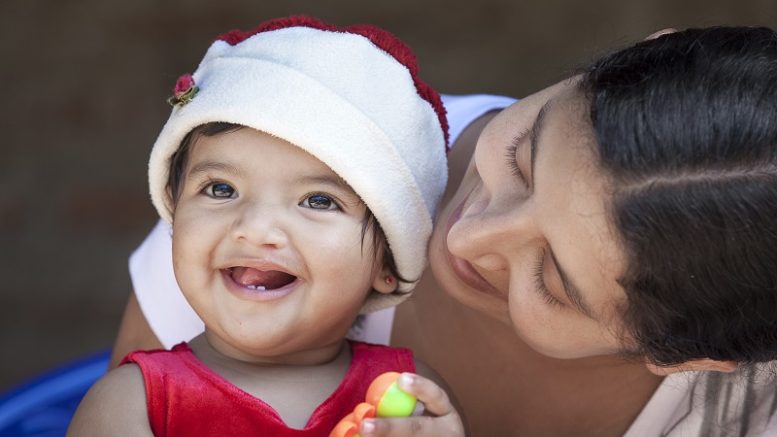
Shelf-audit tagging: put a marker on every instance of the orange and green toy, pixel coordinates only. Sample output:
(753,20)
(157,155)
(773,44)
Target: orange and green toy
(384,399)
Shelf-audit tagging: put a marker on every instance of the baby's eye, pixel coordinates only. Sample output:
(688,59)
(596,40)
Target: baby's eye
(220,190)
(319,201)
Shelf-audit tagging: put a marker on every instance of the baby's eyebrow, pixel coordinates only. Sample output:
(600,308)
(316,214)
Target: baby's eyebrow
(207,166)
(333,181)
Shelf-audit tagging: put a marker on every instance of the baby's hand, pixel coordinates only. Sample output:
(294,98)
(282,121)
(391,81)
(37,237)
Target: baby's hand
(440,417)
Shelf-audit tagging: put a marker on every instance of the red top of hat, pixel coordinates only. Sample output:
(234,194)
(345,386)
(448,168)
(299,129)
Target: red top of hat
(385,40)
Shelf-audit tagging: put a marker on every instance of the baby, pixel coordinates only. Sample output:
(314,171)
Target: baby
(301,168)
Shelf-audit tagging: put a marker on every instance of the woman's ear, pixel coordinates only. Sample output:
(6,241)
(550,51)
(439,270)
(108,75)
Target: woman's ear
(385,282)
(704,364)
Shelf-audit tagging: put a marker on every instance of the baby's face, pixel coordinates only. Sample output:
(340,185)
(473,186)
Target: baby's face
(267,247)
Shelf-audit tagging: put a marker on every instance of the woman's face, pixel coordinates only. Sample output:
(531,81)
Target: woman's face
(526,238)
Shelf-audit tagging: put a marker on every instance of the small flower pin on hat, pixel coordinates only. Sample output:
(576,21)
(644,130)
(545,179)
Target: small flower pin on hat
(184,91)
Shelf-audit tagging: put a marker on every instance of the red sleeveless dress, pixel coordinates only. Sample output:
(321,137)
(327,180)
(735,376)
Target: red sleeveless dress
(186,398)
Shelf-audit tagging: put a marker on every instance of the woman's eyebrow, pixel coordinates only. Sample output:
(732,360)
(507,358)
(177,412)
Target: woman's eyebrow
(572,292)
(534,134)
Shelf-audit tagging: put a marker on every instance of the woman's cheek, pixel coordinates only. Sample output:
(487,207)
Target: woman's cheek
(531,321)
(552,331)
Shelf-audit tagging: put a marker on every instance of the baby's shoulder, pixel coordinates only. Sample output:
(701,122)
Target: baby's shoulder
(114,405)
(125,377)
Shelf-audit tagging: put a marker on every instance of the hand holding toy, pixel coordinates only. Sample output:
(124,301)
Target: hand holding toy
(384,399)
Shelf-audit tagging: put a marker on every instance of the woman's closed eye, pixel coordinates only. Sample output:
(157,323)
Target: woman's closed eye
(319,201)
(511,157)
(220,190)
(538,277)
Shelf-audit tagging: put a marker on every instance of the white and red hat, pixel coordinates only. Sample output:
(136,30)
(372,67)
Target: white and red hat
(349,96)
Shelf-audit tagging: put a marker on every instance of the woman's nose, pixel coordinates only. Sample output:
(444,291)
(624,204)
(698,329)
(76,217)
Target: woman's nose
(260,224)
(490,232)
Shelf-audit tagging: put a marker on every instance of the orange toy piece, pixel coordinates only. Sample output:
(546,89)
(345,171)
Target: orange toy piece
(384,399)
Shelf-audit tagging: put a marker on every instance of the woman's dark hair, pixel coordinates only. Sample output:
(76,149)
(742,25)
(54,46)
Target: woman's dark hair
(686,128)
(180,158)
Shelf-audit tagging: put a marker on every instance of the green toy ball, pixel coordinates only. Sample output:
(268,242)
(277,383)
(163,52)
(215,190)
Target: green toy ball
(391,401)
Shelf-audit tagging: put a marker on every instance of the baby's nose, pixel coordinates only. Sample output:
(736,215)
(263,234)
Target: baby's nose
(260,225)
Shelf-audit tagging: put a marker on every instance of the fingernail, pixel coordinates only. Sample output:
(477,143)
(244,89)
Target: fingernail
(368,426)
(406,380)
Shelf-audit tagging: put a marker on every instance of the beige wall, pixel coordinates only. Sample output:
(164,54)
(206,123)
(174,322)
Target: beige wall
(82,97)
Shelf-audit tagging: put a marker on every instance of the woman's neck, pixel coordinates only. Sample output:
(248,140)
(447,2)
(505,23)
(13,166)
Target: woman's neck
(507,388)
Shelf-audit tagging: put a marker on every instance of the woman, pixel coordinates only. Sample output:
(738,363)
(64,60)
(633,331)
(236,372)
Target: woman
(610,250)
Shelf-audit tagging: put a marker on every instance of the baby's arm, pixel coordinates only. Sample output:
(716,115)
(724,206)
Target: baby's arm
(441,417)
(115,406)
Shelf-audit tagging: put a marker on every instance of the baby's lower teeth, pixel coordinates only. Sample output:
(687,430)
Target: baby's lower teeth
(256,287)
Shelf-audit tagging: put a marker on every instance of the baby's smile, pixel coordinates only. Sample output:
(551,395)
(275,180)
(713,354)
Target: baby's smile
(260,280)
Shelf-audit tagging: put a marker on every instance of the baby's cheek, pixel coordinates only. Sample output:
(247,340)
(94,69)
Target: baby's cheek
(348,261)
(192,243)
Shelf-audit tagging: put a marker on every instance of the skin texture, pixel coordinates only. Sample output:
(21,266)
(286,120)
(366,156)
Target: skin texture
(269,217)
(510,330)
(115,405)
(532,204)
(295,216)
(519,364)
(505,231)
(468,343)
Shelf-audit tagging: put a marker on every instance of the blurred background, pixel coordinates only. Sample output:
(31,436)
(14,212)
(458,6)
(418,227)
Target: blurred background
(82,97)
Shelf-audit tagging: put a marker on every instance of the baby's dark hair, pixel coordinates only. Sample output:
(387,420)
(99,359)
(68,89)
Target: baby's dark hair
(177,167)
(686,128)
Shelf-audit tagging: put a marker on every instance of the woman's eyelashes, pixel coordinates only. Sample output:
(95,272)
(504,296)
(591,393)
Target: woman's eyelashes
(511,156)
(538,272)
(538,277)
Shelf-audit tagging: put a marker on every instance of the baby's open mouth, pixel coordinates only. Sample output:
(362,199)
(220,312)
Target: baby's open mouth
(260,280)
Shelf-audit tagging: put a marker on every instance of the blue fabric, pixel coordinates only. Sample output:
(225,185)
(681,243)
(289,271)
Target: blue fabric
(43,406)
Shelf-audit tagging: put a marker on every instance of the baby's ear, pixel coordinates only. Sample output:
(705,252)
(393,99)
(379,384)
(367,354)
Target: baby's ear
(385,282)
(705,364)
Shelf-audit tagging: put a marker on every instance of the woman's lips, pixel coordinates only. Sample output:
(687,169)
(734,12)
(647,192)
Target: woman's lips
(463,269)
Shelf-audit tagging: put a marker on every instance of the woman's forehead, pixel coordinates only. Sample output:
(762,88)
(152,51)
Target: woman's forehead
(573,193)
